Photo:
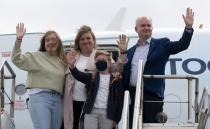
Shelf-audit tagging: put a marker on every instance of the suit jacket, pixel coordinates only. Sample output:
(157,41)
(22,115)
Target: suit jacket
(159,52)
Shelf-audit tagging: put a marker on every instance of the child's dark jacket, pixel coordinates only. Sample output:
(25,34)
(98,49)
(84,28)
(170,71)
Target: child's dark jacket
(115,97)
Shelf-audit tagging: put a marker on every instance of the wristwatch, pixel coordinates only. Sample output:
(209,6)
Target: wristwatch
(123,52)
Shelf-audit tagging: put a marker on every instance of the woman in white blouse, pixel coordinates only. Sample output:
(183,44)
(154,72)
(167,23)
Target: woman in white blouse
(75,92)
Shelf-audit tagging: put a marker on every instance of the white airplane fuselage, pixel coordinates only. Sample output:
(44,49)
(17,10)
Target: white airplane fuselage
(193,61)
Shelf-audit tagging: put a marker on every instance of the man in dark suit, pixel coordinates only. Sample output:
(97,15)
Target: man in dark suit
(155,54)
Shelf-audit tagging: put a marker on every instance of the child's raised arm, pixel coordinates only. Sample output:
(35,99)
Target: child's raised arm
(81,76)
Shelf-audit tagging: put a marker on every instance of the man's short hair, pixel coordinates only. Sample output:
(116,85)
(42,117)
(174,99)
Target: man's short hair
(137,20)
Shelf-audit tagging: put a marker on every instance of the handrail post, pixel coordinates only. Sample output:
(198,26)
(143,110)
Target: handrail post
(138,96)
(2,88)
(0,115)
(140,120)
(12,99)
(189,100)
(196,99)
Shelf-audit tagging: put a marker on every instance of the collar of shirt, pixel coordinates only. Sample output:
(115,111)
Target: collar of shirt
(146,41)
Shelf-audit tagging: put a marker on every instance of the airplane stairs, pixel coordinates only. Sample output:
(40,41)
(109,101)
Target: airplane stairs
(7,119)
(201,108)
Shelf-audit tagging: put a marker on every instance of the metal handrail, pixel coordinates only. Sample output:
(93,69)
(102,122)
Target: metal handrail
(204,100)
(3,76)
(4,62)
(189,78)
(125,113)
(138,105)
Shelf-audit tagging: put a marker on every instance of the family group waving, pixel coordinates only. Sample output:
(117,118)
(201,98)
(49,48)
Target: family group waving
(85,88)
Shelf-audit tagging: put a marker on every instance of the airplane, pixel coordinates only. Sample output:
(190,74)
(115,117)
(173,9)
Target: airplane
(194,61)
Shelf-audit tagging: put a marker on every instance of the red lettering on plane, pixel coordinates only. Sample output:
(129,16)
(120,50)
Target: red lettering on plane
(6,54)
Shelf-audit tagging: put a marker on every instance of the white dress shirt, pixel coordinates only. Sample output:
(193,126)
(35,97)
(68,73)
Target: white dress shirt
(141,52)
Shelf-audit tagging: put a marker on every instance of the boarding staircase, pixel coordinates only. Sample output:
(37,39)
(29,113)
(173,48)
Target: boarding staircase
(201,109)
(7,119)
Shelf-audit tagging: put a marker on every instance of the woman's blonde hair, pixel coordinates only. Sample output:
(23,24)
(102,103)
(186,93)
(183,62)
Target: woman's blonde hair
(82,30)
(60,50)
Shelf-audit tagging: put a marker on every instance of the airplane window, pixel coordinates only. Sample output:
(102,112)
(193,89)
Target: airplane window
(20,89)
